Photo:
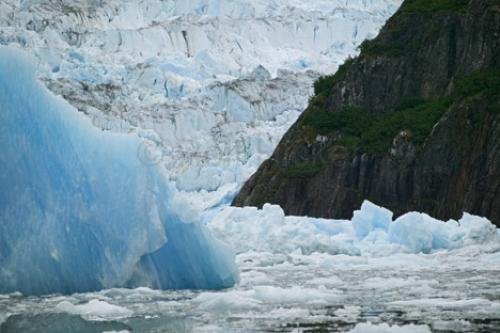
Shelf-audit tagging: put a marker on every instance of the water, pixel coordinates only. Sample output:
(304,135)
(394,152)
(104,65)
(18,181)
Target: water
(455,291)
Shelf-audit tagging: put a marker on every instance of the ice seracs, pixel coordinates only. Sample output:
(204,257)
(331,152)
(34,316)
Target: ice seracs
(219,82)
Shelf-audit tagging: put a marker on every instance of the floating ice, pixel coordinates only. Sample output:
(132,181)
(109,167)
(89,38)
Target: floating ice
(385,328)
(95,309)
(372,231)
(80,211)
(236,300)
(59,323)
(369,218)
(432,303)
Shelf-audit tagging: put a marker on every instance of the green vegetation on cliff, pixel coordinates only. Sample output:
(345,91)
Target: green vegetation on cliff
(433,6)
(485,84)
(303,170)
(372,47)
(324,84)
(360,130)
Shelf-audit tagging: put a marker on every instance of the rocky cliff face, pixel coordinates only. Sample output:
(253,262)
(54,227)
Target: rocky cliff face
(413,123)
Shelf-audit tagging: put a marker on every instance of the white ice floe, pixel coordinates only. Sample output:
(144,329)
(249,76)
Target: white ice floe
(429,303)
(259,295)
(372,231)
(385,328)
(95,309)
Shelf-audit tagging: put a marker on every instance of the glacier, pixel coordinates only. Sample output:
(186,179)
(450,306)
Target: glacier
(80,211)
(212,84)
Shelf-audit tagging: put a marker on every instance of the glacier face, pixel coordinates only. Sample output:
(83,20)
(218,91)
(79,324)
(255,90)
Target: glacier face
(80,211)
(212,84)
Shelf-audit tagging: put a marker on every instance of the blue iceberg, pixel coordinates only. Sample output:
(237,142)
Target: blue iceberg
(79,211)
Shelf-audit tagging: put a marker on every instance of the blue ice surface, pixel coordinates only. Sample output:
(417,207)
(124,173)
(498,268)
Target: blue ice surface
(79,211)
(370,217)
(77,56)
(419,232)
(303,63)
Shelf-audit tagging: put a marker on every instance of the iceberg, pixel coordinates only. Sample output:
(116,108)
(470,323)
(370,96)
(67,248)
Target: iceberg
(80,210)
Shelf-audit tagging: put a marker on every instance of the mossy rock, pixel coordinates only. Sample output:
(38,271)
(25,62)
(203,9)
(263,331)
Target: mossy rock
(304,170)
(434,6)
(360,130)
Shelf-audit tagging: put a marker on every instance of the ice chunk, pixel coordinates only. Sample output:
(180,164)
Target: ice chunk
(421,233)
(95,309)
(478,229)
(385,328)
(430,303)
(371,232)
(80,211)
(247,229)
(370,217)
(237,300)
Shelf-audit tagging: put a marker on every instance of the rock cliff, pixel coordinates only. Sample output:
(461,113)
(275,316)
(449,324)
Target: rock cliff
(413,123)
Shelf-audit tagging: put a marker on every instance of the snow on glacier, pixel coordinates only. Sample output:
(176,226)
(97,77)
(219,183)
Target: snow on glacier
(79,211)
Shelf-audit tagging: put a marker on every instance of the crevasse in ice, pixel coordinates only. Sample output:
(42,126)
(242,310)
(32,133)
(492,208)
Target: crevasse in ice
(80,211)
